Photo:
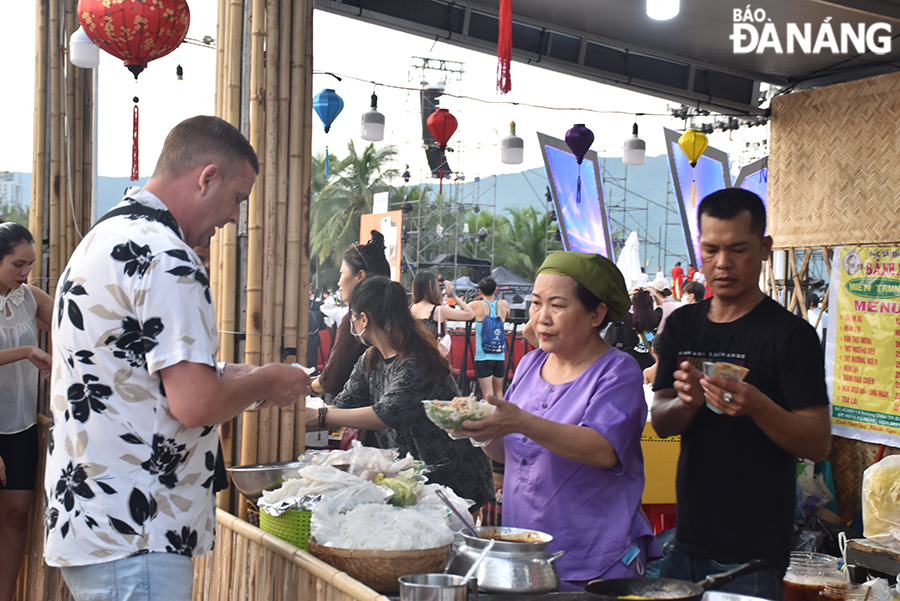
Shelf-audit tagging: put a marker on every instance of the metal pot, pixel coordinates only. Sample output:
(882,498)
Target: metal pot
(437,587)
(669,589)
(509,567)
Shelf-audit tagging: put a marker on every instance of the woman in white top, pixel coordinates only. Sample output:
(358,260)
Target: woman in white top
(21,306)
(427,304)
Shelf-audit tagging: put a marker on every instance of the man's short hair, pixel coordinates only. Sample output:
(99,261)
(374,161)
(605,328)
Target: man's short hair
(695,288)
(728,203)
(487,286)
(204,140)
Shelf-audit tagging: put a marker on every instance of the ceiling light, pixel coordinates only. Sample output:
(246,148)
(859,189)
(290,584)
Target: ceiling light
(662,10)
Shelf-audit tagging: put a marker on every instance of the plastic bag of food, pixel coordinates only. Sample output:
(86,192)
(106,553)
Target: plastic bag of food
(366,462)
(318,484)
(881,502)
(406,490)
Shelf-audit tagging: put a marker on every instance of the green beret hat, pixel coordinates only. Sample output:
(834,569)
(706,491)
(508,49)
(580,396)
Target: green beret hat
(596,273)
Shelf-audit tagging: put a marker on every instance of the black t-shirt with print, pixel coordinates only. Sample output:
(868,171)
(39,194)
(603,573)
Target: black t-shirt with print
(735,487)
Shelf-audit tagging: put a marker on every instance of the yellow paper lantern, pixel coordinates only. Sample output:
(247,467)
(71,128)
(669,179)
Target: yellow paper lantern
(693,143)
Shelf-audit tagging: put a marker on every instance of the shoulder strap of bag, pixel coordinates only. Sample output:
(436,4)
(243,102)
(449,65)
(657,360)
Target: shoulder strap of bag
(136,209)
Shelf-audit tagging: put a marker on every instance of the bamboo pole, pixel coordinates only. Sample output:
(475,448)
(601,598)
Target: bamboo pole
(54,82)
(269,209)
(253,323)
(87,150)
(36,210)
(286,435)
(303,190)
(298,108)
(284,87)
(221,23)
(270,223)
(71,141)
(229,232)
(257,195)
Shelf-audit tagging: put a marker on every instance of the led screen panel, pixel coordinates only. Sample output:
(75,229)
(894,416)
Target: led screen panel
(584,224)
(755,177)
(710,174)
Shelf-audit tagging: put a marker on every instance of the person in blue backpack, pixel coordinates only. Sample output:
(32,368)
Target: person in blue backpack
(490,338)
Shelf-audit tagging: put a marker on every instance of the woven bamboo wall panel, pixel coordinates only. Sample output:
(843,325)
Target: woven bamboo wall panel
(834,169)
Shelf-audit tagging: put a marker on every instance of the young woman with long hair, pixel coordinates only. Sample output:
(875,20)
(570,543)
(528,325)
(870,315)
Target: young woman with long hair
(403,367)
(427,304)
(358,262)
(21,306)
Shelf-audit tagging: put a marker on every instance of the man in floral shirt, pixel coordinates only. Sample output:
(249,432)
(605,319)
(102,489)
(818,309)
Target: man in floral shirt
(135,394)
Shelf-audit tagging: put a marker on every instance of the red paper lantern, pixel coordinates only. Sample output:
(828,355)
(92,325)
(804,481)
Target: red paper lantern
(441,124)
(135,31)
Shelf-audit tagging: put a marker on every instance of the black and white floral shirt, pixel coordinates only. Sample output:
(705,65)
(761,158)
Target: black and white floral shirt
(123,476)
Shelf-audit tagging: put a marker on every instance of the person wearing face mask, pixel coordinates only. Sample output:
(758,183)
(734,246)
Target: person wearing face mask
(401,368)
(357,262)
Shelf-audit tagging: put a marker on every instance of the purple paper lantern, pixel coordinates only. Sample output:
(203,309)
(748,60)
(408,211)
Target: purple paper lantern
(579,140)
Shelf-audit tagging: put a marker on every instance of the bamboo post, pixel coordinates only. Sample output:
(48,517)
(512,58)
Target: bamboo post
(270,224)
(55,150)
(71,141)
(87,150)
(302,190)
(253,323)
(36,210)
(284,83)
(286,435)
(273,58)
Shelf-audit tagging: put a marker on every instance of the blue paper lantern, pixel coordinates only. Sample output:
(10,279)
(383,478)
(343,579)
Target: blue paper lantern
(328,106)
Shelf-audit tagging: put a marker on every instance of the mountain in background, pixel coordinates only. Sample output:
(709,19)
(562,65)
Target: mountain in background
(637,198)
(641,198)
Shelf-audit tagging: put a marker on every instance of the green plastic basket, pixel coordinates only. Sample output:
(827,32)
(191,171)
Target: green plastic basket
(292,526)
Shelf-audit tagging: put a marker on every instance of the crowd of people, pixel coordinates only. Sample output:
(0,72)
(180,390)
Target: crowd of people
(136,393)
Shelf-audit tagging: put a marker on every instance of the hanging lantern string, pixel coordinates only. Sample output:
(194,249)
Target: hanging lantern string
(135,163)
(578,186)
(512,103)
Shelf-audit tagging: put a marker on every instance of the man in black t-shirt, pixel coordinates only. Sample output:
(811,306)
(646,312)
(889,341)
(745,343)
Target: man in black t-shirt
(739,439)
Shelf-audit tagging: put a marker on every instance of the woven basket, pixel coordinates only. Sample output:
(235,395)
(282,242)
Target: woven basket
(292,526)
(379,570)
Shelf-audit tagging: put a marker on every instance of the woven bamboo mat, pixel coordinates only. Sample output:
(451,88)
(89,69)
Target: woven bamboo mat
(834,169)
(849,459)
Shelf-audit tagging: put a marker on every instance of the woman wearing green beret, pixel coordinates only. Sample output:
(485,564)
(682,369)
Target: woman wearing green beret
(570,428)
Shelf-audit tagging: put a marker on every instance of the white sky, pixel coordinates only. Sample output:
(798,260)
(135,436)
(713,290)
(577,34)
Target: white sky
(350,49)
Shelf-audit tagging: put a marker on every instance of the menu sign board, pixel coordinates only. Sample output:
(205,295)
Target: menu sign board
(863,344)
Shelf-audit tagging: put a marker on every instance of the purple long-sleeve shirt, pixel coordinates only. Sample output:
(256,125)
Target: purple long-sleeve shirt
(592,513)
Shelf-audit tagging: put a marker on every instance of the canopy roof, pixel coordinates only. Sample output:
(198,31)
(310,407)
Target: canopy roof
(690,59)
(507,280)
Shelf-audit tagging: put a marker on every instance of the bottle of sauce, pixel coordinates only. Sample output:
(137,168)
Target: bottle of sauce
(808,573)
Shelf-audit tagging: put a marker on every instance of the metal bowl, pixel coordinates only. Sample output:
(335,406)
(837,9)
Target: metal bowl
(252,480)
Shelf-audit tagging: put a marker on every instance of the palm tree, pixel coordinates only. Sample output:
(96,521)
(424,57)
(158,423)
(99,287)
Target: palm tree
(344,196)
(525,238)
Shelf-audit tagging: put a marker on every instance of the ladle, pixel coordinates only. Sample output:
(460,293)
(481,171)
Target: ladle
(478,559)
